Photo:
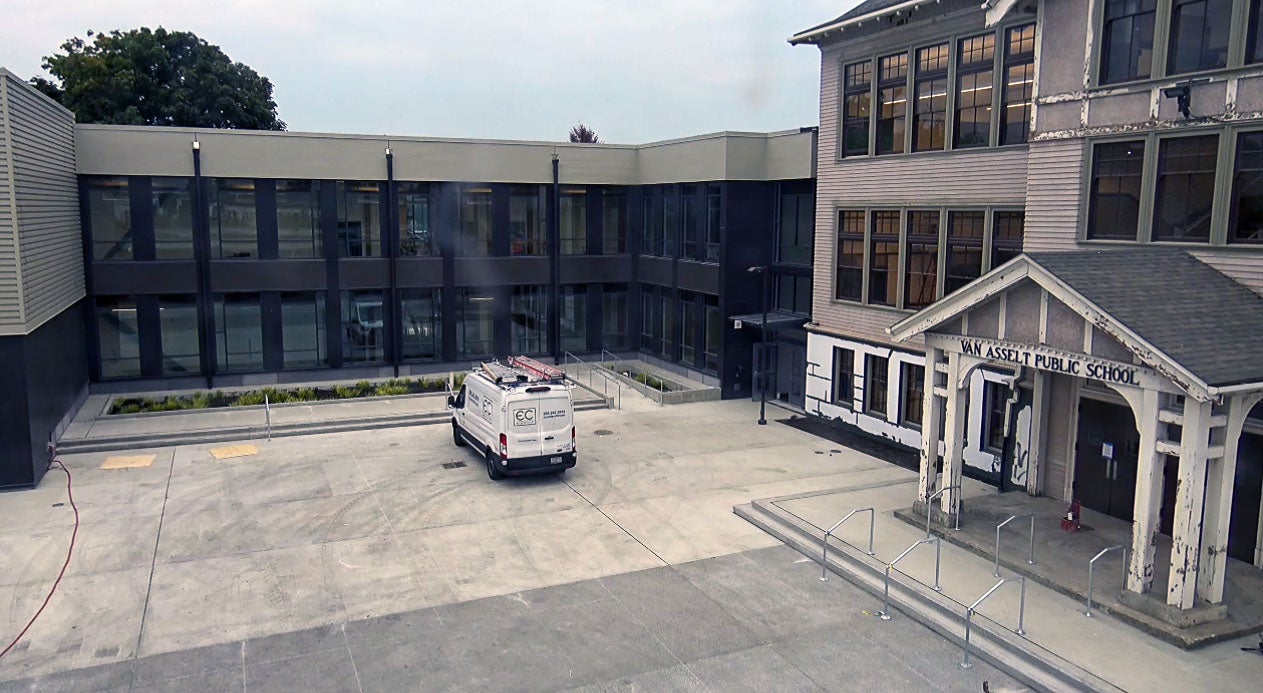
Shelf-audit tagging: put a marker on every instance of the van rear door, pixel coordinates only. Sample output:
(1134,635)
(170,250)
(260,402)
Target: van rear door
(556,421)
(523,427)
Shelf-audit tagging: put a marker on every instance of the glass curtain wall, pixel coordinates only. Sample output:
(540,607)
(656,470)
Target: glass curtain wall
(528,320)
(359,219)
(475,323)
(303,330)
(233,221)
(528,233)
(298,220)
(414,220)
(363,327)
(119,336)
(177,319)
(614,317)
(574,221)
(422,324)
(110,213)
(172,218)
(574,319)
(238,332)
(475,222)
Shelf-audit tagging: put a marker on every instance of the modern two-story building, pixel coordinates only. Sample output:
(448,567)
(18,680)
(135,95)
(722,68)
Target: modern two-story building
(1037,260)
(147,258)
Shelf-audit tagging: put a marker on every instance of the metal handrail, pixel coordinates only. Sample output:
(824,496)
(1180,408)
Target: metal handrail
(605,377)
(1030,559)
(929,505)
(884,614)
(1126,550)
(969,614)
(824,556)
(267,414)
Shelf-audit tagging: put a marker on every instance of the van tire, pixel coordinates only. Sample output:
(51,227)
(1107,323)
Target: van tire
(493,472)
(457,438)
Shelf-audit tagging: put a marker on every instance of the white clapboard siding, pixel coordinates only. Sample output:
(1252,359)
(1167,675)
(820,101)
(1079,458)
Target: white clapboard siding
(1054,193)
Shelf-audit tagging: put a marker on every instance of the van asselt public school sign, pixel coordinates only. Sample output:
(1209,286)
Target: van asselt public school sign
(1048,359)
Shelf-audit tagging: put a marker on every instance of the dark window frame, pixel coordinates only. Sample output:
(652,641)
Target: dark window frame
(972,72)
(850,243)
(961,243)
(911,395)
(892,76)
(932,63)
(842,388)
(857,85)
(1235,218)
(922,237)
(1165,155)
(884,233)
(1211,10)
(1022,58)
(1127,170)
(1145,14)
(876,385)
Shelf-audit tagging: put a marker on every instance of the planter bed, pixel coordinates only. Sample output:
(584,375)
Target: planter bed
(278,395)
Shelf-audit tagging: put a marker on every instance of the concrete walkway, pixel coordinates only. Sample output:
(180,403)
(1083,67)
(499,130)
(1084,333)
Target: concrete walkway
(1115,651)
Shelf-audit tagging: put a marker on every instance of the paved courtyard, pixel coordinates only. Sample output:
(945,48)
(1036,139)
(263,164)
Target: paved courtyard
(359,560)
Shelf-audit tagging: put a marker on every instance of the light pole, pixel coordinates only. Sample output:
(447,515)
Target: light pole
(762,375)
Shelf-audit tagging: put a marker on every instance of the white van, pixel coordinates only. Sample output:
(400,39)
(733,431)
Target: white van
(519,417)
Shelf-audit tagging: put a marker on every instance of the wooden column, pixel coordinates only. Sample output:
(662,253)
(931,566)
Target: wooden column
(1149,466)
(1039,409)
(1220,481)
(1189,500)
(954,433)
(932,425)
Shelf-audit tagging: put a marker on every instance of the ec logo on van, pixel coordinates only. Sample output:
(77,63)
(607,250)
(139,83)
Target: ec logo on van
(524,417)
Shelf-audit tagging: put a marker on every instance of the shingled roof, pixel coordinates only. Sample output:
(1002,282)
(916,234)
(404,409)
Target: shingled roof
(1184,308)
(864,8)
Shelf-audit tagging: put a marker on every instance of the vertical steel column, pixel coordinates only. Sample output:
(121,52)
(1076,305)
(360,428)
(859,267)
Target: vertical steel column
(554,261)
(390,237)
(201,255)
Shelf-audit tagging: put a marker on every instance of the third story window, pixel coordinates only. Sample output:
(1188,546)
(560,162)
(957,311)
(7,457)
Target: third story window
(527,232)
(1199,35)
(794,235)
(892,103)
(475,222)
(415,237)
(614,221)
(1127,41)
(857,108)
(929,115)
(974,78)
(574,221)
(713,198)
(1185,188)
(1019,84)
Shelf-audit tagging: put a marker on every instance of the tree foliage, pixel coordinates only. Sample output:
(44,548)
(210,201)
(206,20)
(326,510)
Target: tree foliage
(157,77)
(583,134)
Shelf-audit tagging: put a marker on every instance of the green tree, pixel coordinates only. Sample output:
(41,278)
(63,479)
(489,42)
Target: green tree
(157,77)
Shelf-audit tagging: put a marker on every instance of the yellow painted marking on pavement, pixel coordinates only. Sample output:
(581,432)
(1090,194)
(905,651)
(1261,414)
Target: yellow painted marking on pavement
(128,461)
(233,451)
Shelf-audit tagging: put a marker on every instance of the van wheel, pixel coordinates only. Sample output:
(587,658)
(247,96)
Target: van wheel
(492,470)
(456,436)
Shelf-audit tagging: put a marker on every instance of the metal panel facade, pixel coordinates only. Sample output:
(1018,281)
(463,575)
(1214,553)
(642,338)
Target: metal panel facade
(10,282)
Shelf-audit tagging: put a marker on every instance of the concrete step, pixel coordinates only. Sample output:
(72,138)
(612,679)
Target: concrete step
(1000,647)
(224,435)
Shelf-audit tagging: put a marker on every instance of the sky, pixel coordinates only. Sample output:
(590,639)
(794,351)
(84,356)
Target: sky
(633,70)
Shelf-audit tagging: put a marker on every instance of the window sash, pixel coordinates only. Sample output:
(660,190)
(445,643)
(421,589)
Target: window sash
(843,377)
(876,379)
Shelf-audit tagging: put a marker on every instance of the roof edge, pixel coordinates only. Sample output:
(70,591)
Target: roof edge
(808,35)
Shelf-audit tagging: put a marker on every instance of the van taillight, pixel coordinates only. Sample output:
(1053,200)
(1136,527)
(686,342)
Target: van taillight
(572,439)
(504,447)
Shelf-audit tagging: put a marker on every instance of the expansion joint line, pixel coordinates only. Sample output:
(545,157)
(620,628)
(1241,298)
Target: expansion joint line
(166,495)
(613,521)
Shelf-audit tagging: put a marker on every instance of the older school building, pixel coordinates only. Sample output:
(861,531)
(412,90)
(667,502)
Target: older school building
(1038,259)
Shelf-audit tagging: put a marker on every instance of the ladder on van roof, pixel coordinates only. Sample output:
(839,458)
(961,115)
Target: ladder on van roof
(521,370)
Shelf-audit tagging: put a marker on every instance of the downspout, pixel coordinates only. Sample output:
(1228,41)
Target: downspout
(554,245)
(391,239)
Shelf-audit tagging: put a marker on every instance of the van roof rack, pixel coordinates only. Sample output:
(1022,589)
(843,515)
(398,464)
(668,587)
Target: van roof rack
(521,370)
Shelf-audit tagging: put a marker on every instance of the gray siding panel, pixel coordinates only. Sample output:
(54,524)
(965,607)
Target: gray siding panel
(46,188)
(1055,191)
(1246,268)
(10,282)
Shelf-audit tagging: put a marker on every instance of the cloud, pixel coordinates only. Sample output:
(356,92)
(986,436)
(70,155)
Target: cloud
(635,71)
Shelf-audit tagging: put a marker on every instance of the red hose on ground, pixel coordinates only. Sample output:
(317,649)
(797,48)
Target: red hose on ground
(69,552)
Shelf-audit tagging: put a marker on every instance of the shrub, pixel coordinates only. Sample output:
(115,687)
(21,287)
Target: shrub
(305,394)
(248,399)
(389,389)
(129,408)
(345,392)
(365,388)
(201,400)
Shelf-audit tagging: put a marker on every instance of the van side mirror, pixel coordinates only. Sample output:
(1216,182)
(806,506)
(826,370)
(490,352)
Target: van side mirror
(451,401)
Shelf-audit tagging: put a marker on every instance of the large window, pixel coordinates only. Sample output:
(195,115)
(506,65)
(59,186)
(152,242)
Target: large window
(649,225)
(422,324)
(363,327)
(793,293)
(857,107)
(118,333)
(688,328)
(1254,35)
(929,115)
(233,220)
(670,221)
(574,318)
(1019,84)
(692,223)
(614,318)
(1127,40)
(912,394)
(528,234)
(1246,222)
(974,78)
(648,302)
(1185,188)
(172,218)
(964,248)
(1114,204)
(297,220)
(849,284)
(359,219)
(883,259)
(238,332)
(892,103)
(415,237)
(843,377)
(574,221)
(1007,230)
(1199,35)
(713,334)
(475,319)
(303,330)
(713,198)
(528,320)
(181,350)
(794,235)
(876,380)
(475,222)
(110,213)
(666,333)
(614,221)
(921,271)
